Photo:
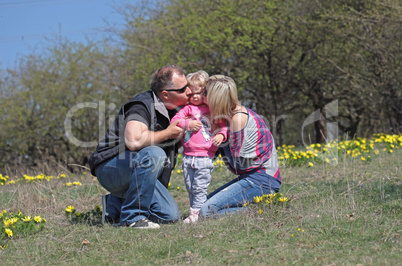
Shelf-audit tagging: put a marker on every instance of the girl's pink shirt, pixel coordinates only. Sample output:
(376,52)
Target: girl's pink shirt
(200,142)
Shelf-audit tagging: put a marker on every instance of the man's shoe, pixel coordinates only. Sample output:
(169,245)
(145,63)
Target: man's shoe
(105,215)
(145,224)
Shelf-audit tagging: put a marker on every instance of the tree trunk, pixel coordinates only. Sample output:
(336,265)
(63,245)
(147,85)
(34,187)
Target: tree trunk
(320,129)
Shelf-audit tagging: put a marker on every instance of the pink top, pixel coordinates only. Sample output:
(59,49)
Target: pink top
(199,143)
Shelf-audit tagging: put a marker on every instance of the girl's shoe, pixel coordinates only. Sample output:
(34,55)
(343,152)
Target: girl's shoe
(193,217)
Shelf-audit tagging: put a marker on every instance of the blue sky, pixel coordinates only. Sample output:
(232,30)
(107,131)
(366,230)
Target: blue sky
(25,25)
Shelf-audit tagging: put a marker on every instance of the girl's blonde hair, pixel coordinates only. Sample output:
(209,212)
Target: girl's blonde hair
(222,96)
(197,79)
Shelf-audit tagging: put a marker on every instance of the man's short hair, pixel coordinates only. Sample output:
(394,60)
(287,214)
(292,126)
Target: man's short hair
(162,78)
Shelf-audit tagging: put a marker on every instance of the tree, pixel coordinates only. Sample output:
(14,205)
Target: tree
(35,108)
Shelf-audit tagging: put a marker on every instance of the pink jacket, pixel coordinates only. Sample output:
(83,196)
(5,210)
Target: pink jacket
(199,143)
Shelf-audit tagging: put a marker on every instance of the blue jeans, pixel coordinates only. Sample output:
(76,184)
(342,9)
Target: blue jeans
(136,192)
(230,197)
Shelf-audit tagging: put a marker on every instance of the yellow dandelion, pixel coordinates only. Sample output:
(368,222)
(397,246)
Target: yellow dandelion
(259,211)
(257,199)
(178,188)
(9,232)
(310,164)
(363,159)
(7,223)
(69,209)
(38,219)
(283,199)
(26,218)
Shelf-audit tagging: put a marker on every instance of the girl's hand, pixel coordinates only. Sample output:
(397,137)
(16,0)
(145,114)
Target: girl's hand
(194,125)
(217,140)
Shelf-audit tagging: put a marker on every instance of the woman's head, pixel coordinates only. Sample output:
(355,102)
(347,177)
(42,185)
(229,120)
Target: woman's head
(197,82)
(221,94)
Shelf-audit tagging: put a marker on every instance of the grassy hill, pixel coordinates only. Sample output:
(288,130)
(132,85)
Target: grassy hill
(347,213)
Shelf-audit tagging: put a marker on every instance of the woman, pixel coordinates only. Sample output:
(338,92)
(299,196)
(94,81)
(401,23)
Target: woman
(250,152)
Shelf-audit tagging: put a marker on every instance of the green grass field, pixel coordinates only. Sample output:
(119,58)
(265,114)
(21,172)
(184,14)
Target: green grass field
(349,213)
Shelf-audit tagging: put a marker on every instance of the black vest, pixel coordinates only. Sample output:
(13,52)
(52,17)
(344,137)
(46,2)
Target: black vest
(113,143)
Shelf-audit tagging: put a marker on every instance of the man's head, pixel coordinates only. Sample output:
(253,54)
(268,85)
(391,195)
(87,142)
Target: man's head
(170,84)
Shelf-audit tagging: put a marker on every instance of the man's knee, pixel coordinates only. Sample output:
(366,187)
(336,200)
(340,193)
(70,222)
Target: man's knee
(151,156)
(174,215)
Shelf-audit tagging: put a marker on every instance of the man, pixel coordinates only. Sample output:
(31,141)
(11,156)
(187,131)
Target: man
(135,158)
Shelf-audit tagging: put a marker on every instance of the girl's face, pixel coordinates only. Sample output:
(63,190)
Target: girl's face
(196,97)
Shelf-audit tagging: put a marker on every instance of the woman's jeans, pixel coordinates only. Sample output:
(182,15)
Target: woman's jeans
(136,192)
(231,197)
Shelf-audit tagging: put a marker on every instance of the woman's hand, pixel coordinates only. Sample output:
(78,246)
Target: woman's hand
(217,140)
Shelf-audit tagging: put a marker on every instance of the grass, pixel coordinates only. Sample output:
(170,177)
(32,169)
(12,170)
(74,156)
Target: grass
(349,213)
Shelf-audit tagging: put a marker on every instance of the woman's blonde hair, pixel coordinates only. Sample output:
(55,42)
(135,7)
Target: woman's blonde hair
(222,96)
(198,79)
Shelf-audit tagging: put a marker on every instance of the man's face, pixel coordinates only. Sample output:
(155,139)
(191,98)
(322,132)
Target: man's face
(178,98)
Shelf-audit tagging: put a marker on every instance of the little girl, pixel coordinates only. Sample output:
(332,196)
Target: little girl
(199,143)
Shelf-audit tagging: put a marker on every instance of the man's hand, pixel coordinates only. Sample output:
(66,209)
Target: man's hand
(217,140)
(195,125)
(173,131)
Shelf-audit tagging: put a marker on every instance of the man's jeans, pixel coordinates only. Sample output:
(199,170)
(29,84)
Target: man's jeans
(136,192)
(230,197)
